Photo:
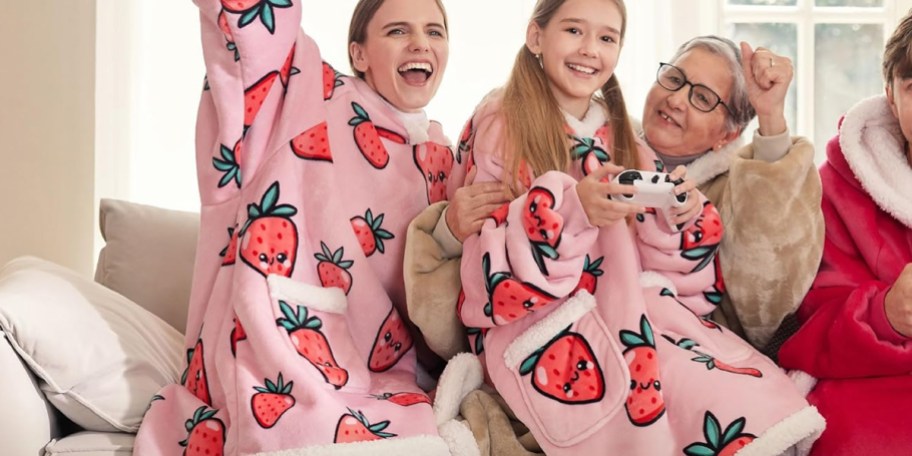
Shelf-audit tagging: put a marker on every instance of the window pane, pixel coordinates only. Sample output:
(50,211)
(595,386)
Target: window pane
(781,39)
(847,69)
(861,3)
(763,2)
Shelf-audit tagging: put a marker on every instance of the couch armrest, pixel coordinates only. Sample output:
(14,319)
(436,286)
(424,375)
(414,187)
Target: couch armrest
(29,422)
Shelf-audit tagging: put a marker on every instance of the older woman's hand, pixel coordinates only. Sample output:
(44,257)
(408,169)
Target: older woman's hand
(768,76)
(594,191)
(692,207)
(472,204)
(898,303)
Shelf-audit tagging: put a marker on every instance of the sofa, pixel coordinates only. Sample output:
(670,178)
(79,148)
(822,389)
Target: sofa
(81,358)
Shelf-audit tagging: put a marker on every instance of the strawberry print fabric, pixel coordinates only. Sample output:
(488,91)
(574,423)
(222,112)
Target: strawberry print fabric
(598,339)
(297,337)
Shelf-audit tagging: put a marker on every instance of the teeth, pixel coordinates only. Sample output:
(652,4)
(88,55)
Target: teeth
(581,69)
(423,66)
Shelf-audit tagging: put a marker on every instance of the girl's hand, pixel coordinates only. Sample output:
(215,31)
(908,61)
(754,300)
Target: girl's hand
(472,204)
(595,191)
(692,207)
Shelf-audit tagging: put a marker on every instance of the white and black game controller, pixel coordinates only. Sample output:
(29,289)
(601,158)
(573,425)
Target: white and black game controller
(654,189)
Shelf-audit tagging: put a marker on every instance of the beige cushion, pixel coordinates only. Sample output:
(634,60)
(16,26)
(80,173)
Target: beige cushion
(92,444)
(148,256)
(98,357)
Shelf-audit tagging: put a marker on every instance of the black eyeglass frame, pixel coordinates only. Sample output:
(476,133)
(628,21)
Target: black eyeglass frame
(690,92)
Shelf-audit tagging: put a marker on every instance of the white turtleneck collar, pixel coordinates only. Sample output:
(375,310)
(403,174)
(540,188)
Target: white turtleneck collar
(594,119)
(416,123)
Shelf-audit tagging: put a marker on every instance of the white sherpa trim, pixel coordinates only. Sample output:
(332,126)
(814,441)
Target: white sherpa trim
(872,144)
(594,119)
(462,375)
(543,331)
(416,125)
(713,163)
(423,445)
(649,279)
(798,430)
(459,438)
(331,300)
(804,381)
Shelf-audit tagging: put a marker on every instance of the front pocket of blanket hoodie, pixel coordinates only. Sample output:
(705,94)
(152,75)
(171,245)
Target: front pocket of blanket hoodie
(571,373)
(314,321)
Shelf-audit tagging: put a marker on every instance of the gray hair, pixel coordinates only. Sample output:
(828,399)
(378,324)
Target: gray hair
(742,112)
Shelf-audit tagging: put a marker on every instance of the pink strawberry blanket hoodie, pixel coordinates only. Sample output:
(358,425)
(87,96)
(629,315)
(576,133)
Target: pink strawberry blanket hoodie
(297,339)
(845,342)
(598,338)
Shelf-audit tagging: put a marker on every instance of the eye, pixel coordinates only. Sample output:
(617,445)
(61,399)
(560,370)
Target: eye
(566,387)
(703,99)
(263,258)
(574,31)
(437,33)
(608,39)
(674,79)
(582,365)
(387,336)
(396,31)
(281,258)
(633,384)
(441,176)
(657,385)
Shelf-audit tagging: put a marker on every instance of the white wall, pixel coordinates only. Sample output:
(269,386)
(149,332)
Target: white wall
(47,124)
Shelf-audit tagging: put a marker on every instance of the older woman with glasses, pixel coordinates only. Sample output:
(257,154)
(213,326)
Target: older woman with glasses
(767,192)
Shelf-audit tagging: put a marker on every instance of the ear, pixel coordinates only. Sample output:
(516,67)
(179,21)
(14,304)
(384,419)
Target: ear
(358,56)
(889,90)
(533,38)
(727,138)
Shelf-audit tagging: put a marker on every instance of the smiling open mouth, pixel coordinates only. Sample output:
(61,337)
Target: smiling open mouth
(416,72)
(582,69)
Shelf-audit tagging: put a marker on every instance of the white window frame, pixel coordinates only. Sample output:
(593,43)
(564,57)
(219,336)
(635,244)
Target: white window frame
(805,15)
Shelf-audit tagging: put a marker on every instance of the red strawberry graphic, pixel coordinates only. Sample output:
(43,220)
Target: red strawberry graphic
(354,427)
(269,238)
(229,38)
(718,290)
(404,399)
(206,434)
(645,403)
(510,299)
(591,273)
(466,140)
(333,271)
(229,165)
(255,95)
(719,442)
(543,226)
(367,138)
(313,144)
(331,80)
(566,370)
(287,70)
(392,342)
(310,343)
(436,163)
(370,233)
(701,240)
(252,9)
(271,402)
(500,214)
(591,154)
(194,377)
(229,253)
(237,334)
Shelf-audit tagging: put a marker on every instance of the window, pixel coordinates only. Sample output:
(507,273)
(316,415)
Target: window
(835,45)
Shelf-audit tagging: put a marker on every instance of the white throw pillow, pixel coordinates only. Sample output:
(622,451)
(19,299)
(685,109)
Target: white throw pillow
(99,358)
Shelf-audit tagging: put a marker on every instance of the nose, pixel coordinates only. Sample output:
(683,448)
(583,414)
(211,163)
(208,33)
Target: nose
(678,99)
(587,46)
(419,43)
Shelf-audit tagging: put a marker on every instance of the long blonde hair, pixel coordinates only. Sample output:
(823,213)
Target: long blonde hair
(534,124)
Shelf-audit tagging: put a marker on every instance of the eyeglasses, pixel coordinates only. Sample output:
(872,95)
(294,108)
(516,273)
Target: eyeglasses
(701,97)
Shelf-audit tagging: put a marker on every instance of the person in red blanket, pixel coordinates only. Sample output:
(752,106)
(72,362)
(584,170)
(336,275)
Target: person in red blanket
(855,340)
